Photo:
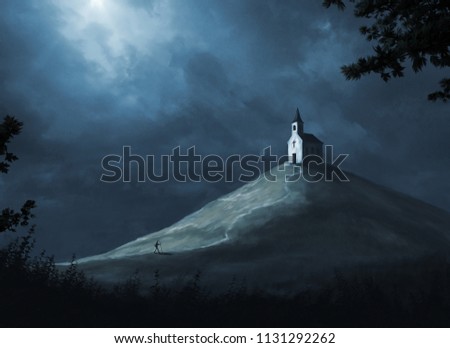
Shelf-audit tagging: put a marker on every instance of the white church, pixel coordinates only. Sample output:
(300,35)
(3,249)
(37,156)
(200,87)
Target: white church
(302,144)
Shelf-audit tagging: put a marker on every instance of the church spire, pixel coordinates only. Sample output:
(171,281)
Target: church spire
(299,122)
(297,117)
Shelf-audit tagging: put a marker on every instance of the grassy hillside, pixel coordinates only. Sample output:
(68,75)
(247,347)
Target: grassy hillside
(284,236)
(33,293)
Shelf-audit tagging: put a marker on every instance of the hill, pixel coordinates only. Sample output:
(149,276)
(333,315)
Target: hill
(284,236)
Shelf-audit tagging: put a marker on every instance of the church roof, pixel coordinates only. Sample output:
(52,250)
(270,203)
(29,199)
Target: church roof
(297,117)
(310,138)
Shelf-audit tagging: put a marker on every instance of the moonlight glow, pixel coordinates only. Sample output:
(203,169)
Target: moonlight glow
(97,3)
(113,35)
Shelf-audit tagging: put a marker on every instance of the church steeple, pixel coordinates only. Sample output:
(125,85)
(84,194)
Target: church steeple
(297,123)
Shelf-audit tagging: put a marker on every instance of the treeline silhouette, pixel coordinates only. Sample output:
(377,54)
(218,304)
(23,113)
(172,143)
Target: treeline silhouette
(35,293)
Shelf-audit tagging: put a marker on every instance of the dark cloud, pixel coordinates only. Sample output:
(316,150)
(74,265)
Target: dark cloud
(89,78)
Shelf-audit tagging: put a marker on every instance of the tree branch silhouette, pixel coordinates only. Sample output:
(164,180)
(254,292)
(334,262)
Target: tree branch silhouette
(10,220)
(417,31)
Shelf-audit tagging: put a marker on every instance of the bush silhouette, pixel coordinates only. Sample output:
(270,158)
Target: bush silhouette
(35,292)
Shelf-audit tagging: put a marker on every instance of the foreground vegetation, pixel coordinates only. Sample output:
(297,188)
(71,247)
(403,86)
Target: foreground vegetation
(34,293)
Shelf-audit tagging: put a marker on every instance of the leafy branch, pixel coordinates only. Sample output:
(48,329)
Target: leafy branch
(10,220)
(417,31)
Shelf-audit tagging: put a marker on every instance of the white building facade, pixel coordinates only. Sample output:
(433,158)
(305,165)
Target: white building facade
(301,144)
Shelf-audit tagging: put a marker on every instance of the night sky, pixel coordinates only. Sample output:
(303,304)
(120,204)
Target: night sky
(90,76)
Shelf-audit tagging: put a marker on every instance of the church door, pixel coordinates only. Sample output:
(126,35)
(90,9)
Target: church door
(294,158)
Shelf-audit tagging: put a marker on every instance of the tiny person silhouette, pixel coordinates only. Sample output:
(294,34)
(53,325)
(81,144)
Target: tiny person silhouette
(157,246)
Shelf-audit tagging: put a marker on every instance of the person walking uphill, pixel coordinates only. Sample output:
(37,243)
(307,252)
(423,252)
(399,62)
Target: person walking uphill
(157,247)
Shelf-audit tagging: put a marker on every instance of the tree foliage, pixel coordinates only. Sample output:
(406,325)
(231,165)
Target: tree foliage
(402,30)
(10,219)
(8,129)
